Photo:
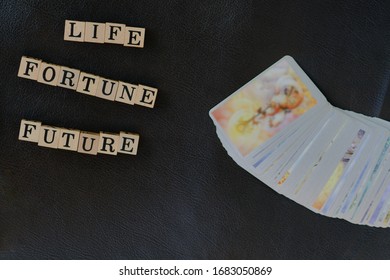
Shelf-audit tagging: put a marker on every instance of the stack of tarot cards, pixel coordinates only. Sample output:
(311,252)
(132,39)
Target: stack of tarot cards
(281,129)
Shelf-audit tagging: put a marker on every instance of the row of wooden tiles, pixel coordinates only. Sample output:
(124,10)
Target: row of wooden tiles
(81,141)
(97,32)
(74,79)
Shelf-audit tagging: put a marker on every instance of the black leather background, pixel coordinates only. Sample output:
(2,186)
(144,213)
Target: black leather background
(182,196)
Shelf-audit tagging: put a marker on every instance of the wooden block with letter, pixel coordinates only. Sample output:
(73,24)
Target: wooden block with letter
(29,131)
(106,89)
(94,32)
(115,33)
(108,143)
(68,77)
(69,139)
(146,96)
(87,83)
(74,30)
(49,136)
(88,143)
(49,74)
(134,37)
(128,143)
(126,93)
(29,68)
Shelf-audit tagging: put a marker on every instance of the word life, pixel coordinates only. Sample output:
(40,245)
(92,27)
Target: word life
(74,79)
(79,141)
(113,33)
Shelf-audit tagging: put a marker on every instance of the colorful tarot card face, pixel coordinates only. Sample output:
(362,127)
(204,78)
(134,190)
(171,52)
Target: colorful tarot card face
(280,128)
(266,106)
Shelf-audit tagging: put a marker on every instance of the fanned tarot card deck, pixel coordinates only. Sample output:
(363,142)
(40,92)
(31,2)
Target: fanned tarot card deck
(281,129)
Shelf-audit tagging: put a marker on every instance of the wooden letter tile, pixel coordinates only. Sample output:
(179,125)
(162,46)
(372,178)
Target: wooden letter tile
(74,30)
(69,139)
(49,136)
(126,93)
(88,143)
(29,131)
(107,89)
(134,37)
(87,83)
(115,33)
(128,143)
(146,96)
(49,74)
(29,68)
(94,32)
(108,143)
(68,77)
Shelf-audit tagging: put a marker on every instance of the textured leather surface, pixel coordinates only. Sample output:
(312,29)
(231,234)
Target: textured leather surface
(182,197)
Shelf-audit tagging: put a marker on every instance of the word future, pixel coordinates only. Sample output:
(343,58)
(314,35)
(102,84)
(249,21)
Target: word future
(80,141)
(62,76)
(95,32)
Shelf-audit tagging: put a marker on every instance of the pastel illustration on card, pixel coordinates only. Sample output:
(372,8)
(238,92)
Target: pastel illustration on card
(263,107)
